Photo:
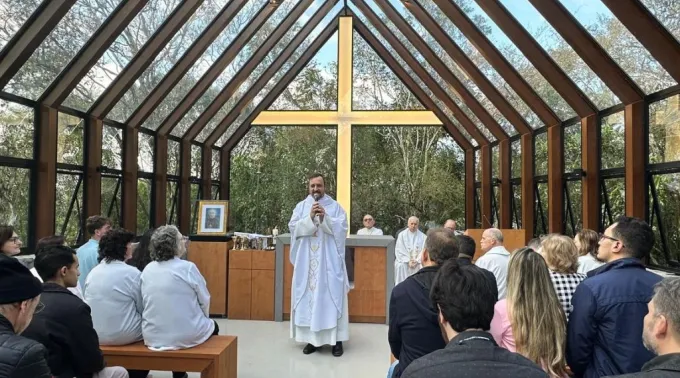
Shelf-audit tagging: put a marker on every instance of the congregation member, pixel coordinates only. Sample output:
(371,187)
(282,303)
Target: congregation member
(561,255)
(587,244)
(464,298)
(49,241)
(64,326)
(141,256)
(369,227)
(20,357)
(603,335)
(319,308)
(517,325)
(451,225)
(661,332)
(535,244)
(10,242)
(414,329)
(407,251)
(495,258)
(466,250)
(88,254)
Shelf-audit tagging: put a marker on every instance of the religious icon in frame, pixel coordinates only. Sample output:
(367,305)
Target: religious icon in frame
(212,217)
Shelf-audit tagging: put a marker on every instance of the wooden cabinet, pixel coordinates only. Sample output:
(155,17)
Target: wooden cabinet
(251,285)
(211,260)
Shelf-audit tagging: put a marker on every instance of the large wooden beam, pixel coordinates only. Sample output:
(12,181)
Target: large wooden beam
(160,181)
(444,72)
(184,202)
(215,70)
(533,52)
(590,163)
(30,36)
(486,189)
(528,194)
(200,45)
(589,50)
(636,159)
(470,188)
(556,179)
(505,188)
(90,54)
(45,175)
(648,30)
(143,58)
(129,195)
(92,193)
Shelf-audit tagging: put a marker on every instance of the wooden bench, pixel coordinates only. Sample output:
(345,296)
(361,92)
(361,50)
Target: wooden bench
(216,358)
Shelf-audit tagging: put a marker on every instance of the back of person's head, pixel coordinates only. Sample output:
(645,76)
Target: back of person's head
(466,246)
(587,242)
(115,244)
(441,245)
(662,323)
(49,241)
(536,316)
(166,243)
(534,244)
(464,295)
(560,253)
(57,262)
(635,234)
(19,293)
(95,223)
(141,257)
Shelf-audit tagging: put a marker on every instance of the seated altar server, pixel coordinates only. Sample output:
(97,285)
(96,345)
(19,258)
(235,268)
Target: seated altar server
(407,251)
(369,227)
(319,314)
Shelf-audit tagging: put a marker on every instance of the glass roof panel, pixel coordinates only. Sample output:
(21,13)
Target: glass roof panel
(667,12)
(562,53)
(166,59)
(233,68)
(13,14)
(120,53)
(620,44)
(201,66)
(60,46)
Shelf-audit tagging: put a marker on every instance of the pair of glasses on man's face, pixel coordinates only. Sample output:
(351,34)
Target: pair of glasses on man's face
(368,219)
(603,236)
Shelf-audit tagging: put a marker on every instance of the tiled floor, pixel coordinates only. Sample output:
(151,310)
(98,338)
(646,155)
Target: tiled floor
(265,350)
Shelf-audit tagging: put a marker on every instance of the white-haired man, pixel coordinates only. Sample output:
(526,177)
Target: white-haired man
(495,258)
(407,251)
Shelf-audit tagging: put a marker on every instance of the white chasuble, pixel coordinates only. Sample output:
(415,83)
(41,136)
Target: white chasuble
(409,247)
(320,285)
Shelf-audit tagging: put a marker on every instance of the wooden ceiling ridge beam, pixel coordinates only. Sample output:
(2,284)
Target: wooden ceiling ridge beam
(285,81)
(253,62)
(415,66)
(410,84)
(269,73)
(29,36)
(216,69)
(88,56)
(589,50)
(532,50)
(435,61)
(650,32)
(143,58)
(535,102)
(188,59)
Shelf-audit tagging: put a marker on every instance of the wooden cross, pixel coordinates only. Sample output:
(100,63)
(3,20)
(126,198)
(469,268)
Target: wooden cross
(345,117)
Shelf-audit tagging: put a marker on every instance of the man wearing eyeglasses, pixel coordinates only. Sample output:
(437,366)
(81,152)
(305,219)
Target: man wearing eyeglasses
(369,227)
(605,327)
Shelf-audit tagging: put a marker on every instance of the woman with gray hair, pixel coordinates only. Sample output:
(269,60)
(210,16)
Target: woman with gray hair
(175,295)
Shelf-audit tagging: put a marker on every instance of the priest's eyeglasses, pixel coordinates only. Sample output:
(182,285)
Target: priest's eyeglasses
(368,219)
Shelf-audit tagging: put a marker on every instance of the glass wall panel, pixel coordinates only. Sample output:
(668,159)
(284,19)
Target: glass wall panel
(145,156)
(15,188)
(541,209)
(69,207)
(517,206)
(112,147)
(572,147)
(667,12)
(572,207)
(613,200)
(196,161)
(16,129)
(516,163)
(70,146)
(478,165)
(664,208)
(112,190)
(194,197)
(13,14)
(173,158)
(172,202)
(664,130)
(215,172)
(60,46)
(613,142)
(143,205)
(215,191)
(541,154)
(495,161)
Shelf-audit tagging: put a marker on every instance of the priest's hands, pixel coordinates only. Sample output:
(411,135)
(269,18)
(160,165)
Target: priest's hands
(317,209)
(412,264)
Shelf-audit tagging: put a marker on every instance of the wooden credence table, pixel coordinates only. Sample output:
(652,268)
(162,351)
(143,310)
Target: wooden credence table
(216,358)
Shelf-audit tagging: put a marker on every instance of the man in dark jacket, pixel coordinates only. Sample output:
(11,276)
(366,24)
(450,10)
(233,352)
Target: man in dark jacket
(19,297)
(64,326)
(466,249)
(661,333)
(605,328)
(414,330)
(465,299)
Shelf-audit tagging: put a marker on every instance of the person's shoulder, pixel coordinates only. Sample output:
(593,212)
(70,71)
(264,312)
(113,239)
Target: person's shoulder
(428,364)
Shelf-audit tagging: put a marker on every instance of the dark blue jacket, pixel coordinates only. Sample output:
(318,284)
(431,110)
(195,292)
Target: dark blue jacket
(604,335)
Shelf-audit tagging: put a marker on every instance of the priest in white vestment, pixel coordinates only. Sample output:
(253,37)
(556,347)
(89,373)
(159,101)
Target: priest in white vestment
(369,227)
(318,229)
(407,251)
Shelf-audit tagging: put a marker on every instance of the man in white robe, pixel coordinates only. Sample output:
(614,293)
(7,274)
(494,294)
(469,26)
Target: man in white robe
(369,227)
(407,251)
(318,229)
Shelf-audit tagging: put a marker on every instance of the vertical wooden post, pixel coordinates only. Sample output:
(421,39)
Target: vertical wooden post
(590,163)
(528,197)
(469,188)
(160,181)
(184,210)
(92,192)
(206,172)
(487,190)
(636,159)
(556,179)
(505,189)
(45,175)
(129,196)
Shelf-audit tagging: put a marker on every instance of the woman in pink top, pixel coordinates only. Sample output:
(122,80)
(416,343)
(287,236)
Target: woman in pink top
(530,320)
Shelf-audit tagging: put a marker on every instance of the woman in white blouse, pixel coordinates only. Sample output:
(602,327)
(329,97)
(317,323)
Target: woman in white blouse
(175,295)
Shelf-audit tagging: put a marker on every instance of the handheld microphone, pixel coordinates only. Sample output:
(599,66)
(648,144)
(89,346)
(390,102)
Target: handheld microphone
(317,221)
(316,196)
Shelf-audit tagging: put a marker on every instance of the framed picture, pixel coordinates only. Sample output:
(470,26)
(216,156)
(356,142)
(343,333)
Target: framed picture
(212,217)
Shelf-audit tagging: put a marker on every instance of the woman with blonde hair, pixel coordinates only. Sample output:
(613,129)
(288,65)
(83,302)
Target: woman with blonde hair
(530,320)
(561,255)
(587,242)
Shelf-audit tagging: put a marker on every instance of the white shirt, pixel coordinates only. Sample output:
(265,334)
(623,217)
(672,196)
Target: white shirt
(176,304)
(114,293)
(496,261)
(370,231)
(586,263)
(75,290)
